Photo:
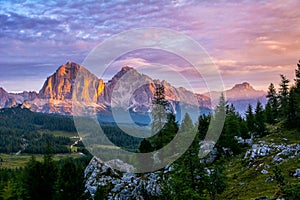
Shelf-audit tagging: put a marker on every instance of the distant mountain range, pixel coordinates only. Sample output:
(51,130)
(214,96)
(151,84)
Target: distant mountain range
(56,94)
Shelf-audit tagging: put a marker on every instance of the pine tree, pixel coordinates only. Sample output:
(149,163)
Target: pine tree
(250,119)
(159,105)
(216,182)
(297,73)
(187,179)
(283,97)
(269,114)
(259,123)
(296,97)
(70,181)
(292,119)
(272,103)
(203,123)
(231,129)
(145,146)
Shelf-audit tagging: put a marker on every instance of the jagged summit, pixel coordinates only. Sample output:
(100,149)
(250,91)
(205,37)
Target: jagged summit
(126,68)
(59,85)
(56,94)
(243,86)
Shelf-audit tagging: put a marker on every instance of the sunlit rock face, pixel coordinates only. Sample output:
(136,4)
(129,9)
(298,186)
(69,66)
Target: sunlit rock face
(59,86)
(128,90)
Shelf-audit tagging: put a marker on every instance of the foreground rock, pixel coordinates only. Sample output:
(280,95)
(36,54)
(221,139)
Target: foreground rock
(120,185)
(279,152)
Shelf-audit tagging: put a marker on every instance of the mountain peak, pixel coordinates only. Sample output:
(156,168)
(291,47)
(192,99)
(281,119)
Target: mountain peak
(123,71)
(126,68)
(243,86)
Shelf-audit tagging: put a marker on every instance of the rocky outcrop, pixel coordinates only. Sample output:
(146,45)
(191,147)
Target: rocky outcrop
(279,152)
(8,100)
(121,185)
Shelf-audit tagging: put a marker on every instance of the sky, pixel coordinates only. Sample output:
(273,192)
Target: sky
(253,41)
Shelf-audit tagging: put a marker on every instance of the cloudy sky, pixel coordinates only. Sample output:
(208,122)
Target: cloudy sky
(252,41)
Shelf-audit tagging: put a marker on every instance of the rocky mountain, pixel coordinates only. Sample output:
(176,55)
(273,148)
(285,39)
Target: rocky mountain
(128,89)
(244,91)
(241,95)
(9,99)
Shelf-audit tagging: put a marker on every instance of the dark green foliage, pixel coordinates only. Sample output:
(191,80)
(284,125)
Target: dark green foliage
(100,193)
(19,131)
(10,182)
(70,181)
(294,102)
(283,97)
(250,119)
(291,191)
(285,189)
(187,179)
(24,119)
(269,114)
(272,105)
(45,180)
(120,138)
(38,145)
(260,120)
(145,146)
(231,128)
(203,123)
(216,182)
(39,178)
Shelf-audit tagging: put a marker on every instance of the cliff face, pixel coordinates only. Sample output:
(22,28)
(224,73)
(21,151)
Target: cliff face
(128,89)
(59,86)
(3,97)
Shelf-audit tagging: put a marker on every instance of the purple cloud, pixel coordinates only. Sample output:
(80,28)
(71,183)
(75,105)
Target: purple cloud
(38,36)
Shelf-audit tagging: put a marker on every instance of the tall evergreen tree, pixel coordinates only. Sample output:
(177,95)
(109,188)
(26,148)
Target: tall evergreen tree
(231,129)
(292,119)
(216,182)
(250,119)
(187,179)
(269,114)
(159,105)
(259,123)
(70,181)
(296,97)
(272,103)
(203,124)
(283,96)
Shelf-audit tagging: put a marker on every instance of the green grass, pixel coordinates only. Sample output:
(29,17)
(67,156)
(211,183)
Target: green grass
(12,161)
(247,182)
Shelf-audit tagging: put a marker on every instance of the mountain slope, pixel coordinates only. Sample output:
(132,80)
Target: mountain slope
(128,89)
(241,95)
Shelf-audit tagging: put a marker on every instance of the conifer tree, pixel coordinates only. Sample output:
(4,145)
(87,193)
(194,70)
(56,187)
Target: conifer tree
(283,96)
(159,105)
(250,119)
(259,123)
(272,104)
(187,179)
(70,181)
